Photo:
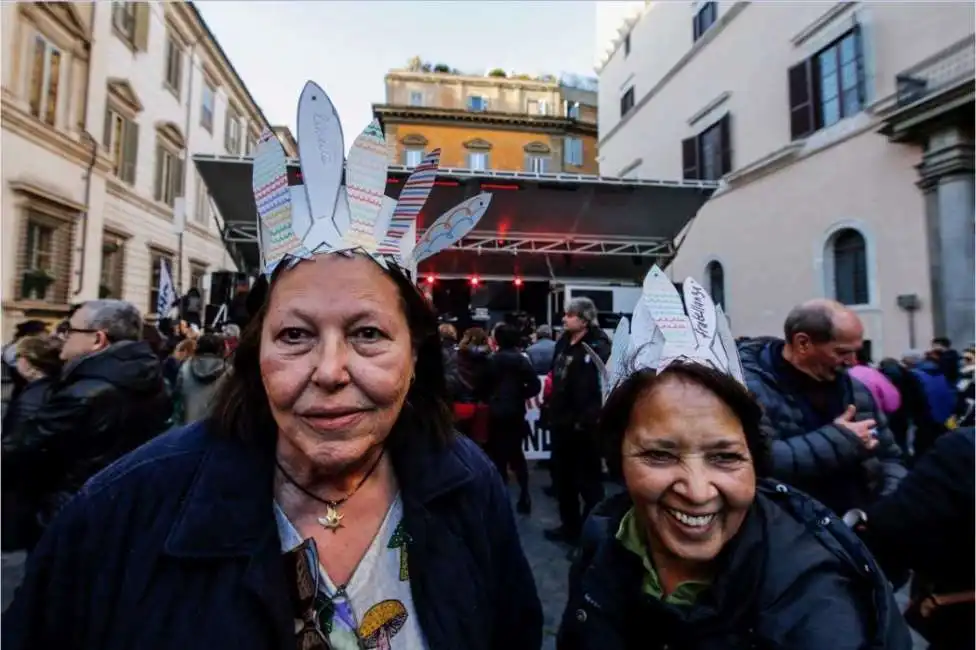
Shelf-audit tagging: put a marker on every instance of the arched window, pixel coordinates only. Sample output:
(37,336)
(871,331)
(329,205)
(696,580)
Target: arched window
(850,267)
(715,277)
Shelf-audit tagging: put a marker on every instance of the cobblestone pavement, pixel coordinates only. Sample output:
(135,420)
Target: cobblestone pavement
(549,561)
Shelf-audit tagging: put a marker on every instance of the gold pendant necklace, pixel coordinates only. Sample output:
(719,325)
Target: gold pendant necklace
(332,520)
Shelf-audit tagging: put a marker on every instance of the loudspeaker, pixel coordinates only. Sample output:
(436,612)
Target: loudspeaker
(210,315)
(223,286)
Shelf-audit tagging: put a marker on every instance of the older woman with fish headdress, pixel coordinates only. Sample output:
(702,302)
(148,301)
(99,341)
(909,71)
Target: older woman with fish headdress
(700,551)
(326,503)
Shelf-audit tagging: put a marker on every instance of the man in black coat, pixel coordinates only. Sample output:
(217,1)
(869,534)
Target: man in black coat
(927,526)
(828,436)
(109,399)
(574,409)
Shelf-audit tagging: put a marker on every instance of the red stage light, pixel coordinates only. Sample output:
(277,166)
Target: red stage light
(498,186)
(430,279)
(474,280)
(518,282)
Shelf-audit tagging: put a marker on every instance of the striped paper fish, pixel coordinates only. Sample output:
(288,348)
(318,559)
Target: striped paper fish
(366,169)
(412,198)
(451,226)
(269,180)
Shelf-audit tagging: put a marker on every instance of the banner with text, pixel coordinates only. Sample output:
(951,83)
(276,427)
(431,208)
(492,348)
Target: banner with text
(537,445)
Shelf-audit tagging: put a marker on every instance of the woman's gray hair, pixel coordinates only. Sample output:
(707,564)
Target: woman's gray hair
(582,307)
(120,320)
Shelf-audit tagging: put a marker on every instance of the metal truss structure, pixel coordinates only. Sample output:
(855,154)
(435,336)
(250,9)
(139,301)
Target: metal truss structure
(516,243)
(524,243)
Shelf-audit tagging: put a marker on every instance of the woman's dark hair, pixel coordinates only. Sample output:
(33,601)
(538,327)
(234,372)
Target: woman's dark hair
(43,352)
(507,336)
(241,406)
(616,413)
(155,340)
(474,337)
(209,344)
(30,328)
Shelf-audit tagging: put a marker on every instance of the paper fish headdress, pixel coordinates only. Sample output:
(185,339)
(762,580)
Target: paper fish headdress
(667,328)
(325,216)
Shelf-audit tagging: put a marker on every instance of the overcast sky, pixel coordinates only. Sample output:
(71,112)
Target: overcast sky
(347,47)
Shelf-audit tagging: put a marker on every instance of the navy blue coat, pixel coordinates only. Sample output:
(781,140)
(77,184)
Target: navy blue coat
(175,547)
(828,462)
(793,578)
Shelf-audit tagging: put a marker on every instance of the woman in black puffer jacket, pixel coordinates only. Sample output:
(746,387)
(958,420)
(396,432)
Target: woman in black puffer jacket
(510,381)
(700,552)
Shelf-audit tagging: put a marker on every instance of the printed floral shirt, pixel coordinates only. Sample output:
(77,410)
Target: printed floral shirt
(375,608)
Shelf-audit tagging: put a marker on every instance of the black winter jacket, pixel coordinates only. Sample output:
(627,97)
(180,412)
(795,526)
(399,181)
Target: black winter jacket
(512,380)
(175,547)
(928,526)
(576,393)
(829,463)
(103,406)
(793,578)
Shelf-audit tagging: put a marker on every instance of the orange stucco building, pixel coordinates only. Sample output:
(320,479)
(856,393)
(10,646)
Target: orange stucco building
(490,123)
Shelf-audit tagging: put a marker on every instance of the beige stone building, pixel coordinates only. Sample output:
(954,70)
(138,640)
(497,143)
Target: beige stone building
(103,104)
(843,137)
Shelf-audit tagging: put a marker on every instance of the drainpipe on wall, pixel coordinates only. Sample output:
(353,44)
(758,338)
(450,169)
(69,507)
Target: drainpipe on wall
(186,173)
(83,243)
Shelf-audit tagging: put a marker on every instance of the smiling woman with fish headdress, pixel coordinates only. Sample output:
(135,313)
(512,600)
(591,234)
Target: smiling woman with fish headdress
(327,502)
(700,552)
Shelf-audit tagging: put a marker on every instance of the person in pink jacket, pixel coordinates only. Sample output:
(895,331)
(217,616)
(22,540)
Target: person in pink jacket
(886,396)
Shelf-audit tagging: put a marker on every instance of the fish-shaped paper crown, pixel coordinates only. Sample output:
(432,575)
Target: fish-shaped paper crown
(667,328)
(325,216)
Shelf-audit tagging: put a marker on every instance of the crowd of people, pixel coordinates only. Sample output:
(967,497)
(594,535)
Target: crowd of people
(80,397)
(782,512)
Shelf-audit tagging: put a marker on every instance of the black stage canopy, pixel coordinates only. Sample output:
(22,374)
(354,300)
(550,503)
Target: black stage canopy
(538,226)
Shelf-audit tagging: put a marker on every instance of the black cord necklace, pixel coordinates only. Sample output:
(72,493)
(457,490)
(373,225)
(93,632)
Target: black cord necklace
(332,519)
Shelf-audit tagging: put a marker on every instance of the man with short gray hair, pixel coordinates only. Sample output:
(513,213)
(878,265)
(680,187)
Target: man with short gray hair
(827,434)
(109,399)
(574,408)
(541,352)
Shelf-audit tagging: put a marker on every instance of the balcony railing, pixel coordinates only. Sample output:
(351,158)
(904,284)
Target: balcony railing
(945,69)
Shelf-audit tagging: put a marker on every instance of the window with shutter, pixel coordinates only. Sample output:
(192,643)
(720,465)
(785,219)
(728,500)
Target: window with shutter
(113,266)
(850,267)
(715,276)
(174,66)
(802,119)
(704,18)
(725,144)
(169,176)
(827,87)
(122,140)
(689,159)
(573,152)
(627,101)
(45,76)
(232,131)
(708,155)
(130,152)
(207,104)
(537,164)
(124,19)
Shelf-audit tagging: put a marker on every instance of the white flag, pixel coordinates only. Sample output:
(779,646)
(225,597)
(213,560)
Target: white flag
(167,292)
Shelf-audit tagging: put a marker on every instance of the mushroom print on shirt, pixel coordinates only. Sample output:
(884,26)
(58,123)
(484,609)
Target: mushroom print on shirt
(375,609)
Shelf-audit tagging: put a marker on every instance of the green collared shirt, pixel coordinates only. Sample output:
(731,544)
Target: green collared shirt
(629,534)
